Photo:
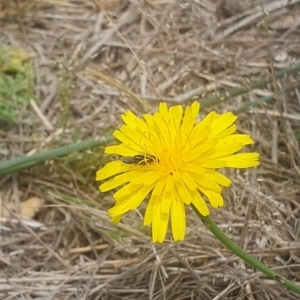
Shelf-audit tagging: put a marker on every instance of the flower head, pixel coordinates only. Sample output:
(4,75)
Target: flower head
(173,159)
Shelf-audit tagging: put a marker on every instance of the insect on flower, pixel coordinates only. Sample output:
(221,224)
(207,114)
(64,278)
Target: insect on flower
(140,160)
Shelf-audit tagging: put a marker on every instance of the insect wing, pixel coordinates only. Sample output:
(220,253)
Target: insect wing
(131,160)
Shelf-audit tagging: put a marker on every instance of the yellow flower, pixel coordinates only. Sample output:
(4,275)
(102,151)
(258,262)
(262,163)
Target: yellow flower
(173,158)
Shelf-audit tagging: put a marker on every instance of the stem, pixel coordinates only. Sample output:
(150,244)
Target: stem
(20,163)
(247,106)
(234,248)
(210,101)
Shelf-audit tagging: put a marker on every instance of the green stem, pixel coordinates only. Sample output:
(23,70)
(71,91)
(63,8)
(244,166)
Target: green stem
(260,101)
(20,163)
(234,248)
(210,101)
(253,104)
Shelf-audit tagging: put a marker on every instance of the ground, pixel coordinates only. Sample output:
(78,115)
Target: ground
(71,69)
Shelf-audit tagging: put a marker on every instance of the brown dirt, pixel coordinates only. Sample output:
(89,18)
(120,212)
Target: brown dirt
(95,59)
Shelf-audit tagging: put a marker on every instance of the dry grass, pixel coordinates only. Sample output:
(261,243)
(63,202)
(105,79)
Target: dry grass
(95,59)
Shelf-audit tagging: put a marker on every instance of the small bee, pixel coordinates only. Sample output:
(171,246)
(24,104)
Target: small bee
(140,160)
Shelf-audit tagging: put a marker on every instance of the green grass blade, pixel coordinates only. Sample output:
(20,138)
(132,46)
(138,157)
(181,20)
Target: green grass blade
(21,163)
(210,101)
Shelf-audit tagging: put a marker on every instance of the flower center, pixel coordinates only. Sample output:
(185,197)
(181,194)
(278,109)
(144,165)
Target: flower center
(170,160)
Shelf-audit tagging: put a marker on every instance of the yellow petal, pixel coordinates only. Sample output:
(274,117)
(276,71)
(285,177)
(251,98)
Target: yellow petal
(129,132)
(199,203)
(195,109)
(178,220)
(159,224)
(116,219)
(183,192)
(215,199)
(188,180)
(120,209)
(121,149)
(176,174)
(150,209)
(224,150)
(198,136)
(242,160)
(169,183)
(141,124)
(175,119)
(230,130)
(140,196)
(163,132)
(205,182)
(188,122)
(189,167)
(150,177)
(218,178)
(206,122)
(130,203)
(201,149)
(114,182)
(127,141)
(211,163)
(159,186)
(163,110)
(222,122)
(129,118)
(167,198)
(244,139)
(126,191)
(110,169)
(125,177)
(138,178)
